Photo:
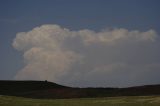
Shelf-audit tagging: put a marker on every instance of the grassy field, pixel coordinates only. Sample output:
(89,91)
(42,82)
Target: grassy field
(109,101)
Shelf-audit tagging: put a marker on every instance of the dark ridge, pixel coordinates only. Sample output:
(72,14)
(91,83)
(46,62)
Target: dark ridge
(10,87)
(45,89)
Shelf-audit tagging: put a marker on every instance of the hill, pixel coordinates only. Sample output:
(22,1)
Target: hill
(45,89)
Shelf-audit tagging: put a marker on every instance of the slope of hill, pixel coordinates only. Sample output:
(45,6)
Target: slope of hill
(44,89)
(26,88)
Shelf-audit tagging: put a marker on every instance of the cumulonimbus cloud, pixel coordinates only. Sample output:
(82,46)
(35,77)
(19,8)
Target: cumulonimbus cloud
(115,57)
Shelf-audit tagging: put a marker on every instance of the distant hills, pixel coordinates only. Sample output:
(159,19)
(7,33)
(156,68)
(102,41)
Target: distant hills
(45,89)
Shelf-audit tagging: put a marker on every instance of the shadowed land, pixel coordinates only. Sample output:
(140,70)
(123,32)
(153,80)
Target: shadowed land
(45,90)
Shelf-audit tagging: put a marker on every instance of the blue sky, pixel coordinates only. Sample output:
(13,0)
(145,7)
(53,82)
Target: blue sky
(24,15)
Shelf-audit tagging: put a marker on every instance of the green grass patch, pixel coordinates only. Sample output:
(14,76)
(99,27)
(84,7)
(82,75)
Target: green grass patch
(108,101)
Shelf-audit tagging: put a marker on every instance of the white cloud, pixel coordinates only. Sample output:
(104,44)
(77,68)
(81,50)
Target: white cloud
(116,57)
(47,64)
(116,35)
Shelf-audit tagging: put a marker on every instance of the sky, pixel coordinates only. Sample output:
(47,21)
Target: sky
(82,43)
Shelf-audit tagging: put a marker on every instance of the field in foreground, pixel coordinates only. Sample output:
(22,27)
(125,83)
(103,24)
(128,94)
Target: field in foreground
(108,101)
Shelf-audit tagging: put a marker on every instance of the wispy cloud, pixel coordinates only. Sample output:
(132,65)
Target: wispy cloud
(13,21)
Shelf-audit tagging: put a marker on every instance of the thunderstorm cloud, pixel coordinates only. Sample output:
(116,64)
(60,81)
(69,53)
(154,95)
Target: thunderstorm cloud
(110,57)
